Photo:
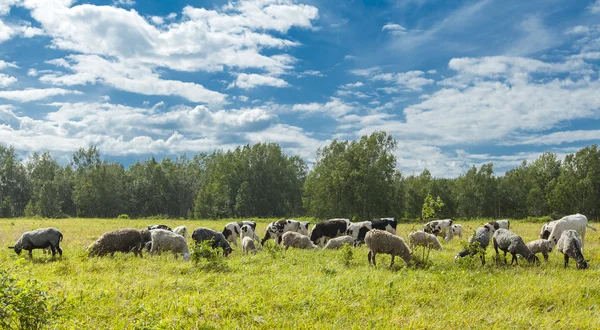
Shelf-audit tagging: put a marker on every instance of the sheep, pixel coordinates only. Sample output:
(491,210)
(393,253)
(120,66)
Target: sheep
(482,237)
(165,240)
(547,229)
(218,240)
(247,231)
(181,230)
(232,230)
(577,222)
(570,245)
(248,245)
(121,240)
(165,227)
(338,242)
(508,241)
(380,241)
(39,239)
(456,230)
(439,228)
(503,223)
(542,246)
(277,228)
(296,240)
(421,238)
(146,239)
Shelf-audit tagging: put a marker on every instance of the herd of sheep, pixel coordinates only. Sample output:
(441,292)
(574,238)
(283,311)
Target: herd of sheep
(379,235)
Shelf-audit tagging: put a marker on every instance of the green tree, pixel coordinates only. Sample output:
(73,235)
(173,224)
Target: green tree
(431,206)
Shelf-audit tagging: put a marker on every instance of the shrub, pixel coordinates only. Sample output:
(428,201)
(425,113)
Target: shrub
(25,304)
(347,255)
(273,249)
(210,257)
(123,216)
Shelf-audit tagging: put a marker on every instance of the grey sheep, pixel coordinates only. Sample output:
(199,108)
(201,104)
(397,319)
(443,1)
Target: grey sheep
(248,245)
(569,244)
(338,242)
(146,239)
(380,241)
(166,240)
(297,240)
(508,241)
(39,239)
(482,238)
(121,240)
(542,246)
(421,238)
(218,240)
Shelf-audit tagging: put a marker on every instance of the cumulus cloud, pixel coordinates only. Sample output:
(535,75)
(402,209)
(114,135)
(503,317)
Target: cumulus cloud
(334,108)
(395,29)
(248,81)
(34,94)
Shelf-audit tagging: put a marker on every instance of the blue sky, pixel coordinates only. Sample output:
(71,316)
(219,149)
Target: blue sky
(456,83)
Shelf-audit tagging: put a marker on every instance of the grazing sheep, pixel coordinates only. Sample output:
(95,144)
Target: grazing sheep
(39,239)
(218,240)
(456,230)
(247,231)
(165,240)
(338,242)
(577,222)
(508,241)
(421,238)
(248,245)
(165,227)
(439,228)
(121,240)
(503,223)
(570,245)
(146,239)
(542,246)
(296,240)
(379,241)
(181,230)
(482,237)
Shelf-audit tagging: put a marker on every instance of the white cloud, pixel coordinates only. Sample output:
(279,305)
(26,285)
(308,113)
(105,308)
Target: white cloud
(130,77)
(353,85)
(32,72)
(34,94)
(307,73)
(557,138)
(248,81)
(6,80)
(6,32)
(395,29)
(334,108)
(5,6)
(366,72)
(127,3)
(595,7)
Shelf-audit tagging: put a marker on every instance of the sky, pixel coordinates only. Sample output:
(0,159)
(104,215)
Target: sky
(457,83)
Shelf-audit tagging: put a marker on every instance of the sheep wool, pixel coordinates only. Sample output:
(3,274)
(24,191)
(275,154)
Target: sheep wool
(508,241)
(297,240)
(482,237)
(39,239)
(169,241)
(542,246)
(421,238)
(380,241)
(181,230)
(121,240)
(570,245)
(248,245)
(218,239)
(338,242)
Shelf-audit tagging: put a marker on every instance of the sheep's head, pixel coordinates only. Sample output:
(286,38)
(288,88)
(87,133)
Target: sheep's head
(534,259)
(583,265)
(17,249)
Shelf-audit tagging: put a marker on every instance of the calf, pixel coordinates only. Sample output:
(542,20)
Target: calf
(328,229)
(165,227)
(232,230)
(439,228)
(276,229)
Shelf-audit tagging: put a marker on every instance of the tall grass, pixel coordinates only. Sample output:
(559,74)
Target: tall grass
(303,289)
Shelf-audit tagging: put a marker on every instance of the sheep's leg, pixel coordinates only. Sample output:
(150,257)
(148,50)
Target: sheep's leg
(566,260)
(59,250)
(545,254)
(30,254)
(392,261)
(483,258)
(496,249)
(514,259)
(53,251)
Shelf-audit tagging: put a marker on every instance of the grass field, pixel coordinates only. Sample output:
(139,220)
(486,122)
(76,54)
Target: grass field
(303,289)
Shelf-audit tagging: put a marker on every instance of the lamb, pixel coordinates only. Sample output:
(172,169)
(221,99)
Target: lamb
(508,241)
(218,240)
(338,242)
(247,231)
(165,240)
(542,246)
(39,239)
(121,240)
(421,238)
(577,222)
(439,228)
(296,240)
(380,241)
(181,230)
(570,245)
(482,238)
(248,245)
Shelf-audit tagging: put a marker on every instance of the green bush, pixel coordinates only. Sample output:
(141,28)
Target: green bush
(25,304)
(123,216)
(209,258)
(347,255)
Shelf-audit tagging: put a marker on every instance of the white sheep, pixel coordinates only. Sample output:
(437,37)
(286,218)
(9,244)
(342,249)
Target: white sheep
(297,240)
(503,223)
(247,231)
(248,245)
(542,246)
(181,230)
(570,245)
(379,241)
(165,240)
(338,242)
(455,230)
(421,238)
(577,222)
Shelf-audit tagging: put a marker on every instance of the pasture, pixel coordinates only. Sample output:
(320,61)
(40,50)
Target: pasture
(304,289)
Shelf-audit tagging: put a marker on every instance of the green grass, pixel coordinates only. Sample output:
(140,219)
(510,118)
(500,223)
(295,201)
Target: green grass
(303,289)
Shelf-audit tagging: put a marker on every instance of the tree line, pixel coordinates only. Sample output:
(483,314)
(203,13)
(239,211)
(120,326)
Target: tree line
(352,179)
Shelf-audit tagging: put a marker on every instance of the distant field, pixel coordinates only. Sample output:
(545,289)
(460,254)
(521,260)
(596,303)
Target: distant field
(305,289)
